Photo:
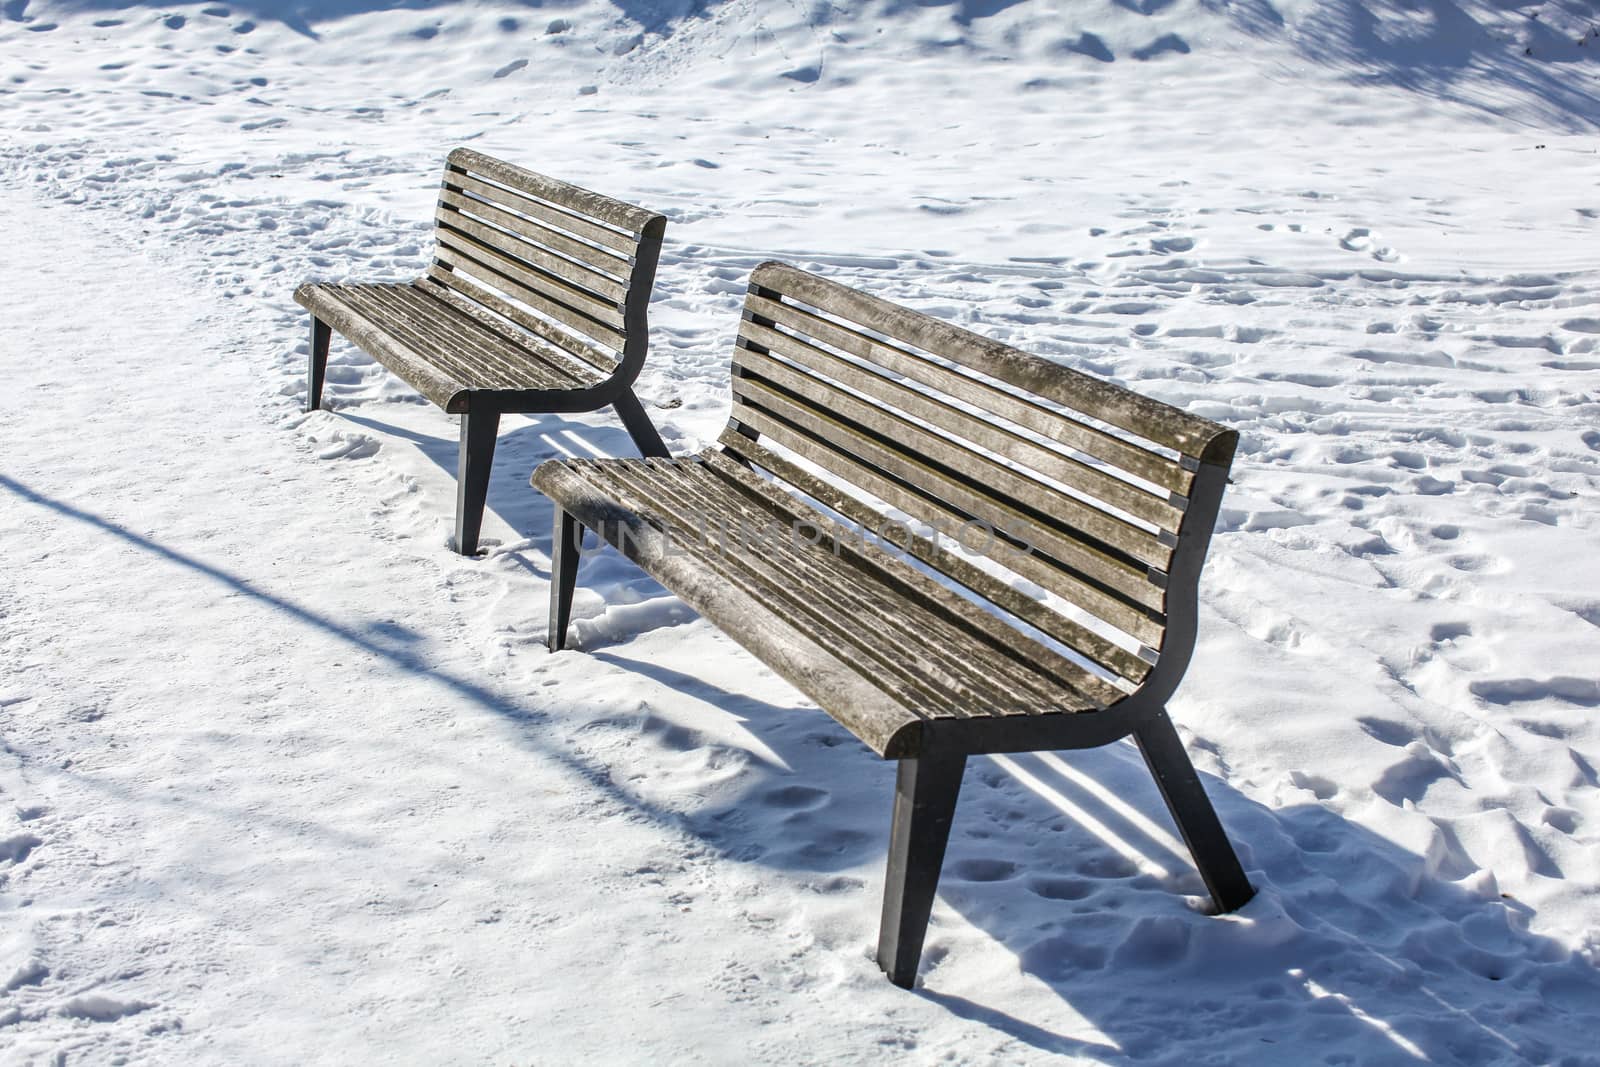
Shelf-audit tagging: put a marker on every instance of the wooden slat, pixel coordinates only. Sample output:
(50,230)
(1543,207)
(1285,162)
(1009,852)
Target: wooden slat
(940,671)
(1130,619)
(474,299)
(1092,646)
(1005,485)
(812,601)
(465,363)
(454,338)
(325,302)
(966,615)
(562,355)
(1124,455)
(917,627)
(985,432)
(478,362)
(576,198)
(600,286)
(1132,582)
(795,612)
(598,308)
(891,730)
(600,259)
(450,259)
(460,181)
(1150,419)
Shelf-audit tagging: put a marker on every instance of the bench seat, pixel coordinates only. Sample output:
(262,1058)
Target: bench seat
(440,349)
(874,641)
(537,301)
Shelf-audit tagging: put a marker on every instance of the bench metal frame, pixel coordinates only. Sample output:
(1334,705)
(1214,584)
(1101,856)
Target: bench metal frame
(932,750)
(490,275)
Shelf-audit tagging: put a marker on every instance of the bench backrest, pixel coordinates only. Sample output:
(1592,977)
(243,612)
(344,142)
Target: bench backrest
(1101,497)
(571,266)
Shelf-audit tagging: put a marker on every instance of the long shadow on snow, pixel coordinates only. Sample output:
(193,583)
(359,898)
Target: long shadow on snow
(1070,862)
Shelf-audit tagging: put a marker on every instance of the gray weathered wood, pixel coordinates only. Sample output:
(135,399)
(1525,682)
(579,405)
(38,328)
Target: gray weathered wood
(860,413)
(1115,659)
(537,301)
(1134,412)
(800,660)
(580,253)
(529,282)
(601,238)
(885,450)
(926,633)
(999,480)
(496,311)
(986,396)
(583,205)
(1107,587)
(602,285)
(981,430)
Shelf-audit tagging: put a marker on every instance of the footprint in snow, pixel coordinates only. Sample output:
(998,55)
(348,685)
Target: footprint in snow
(983,870)
(18,847)
(1564,820)
(1584,692)
(350,446)
(33,972)
(1166,245)
(1356,240)
(795,798)
(1060,888)
(99,1008)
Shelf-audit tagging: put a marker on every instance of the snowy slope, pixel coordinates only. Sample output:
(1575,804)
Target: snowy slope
(286,781)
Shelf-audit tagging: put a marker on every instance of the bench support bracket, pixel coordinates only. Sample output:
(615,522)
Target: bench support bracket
(924,806)
(640,428)
(317,362)
(564,549)
(478,432)
(1192,811)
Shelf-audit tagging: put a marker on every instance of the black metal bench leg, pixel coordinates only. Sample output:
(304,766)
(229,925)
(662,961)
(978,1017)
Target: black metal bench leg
(565,543)
(478,432)
(1197,820)
(924,805)
(317,362)
(640,428)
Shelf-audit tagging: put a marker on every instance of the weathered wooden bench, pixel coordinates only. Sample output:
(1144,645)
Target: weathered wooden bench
(1066,621)
(536,302)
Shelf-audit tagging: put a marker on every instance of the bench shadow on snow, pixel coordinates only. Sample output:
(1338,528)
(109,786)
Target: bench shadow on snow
(1069,861)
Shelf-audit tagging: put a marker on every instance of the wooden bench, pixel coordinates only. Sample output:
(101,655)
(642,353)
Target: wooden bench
(1085,510)
(536,302)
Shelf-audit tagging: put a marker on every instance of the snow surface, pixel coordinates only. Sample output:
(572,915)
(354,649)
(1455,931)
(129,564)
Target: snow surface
(286,781)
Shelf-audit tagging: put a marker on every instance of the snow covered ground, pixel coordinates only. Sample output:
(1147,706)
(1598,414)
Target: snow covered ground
(283,780)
